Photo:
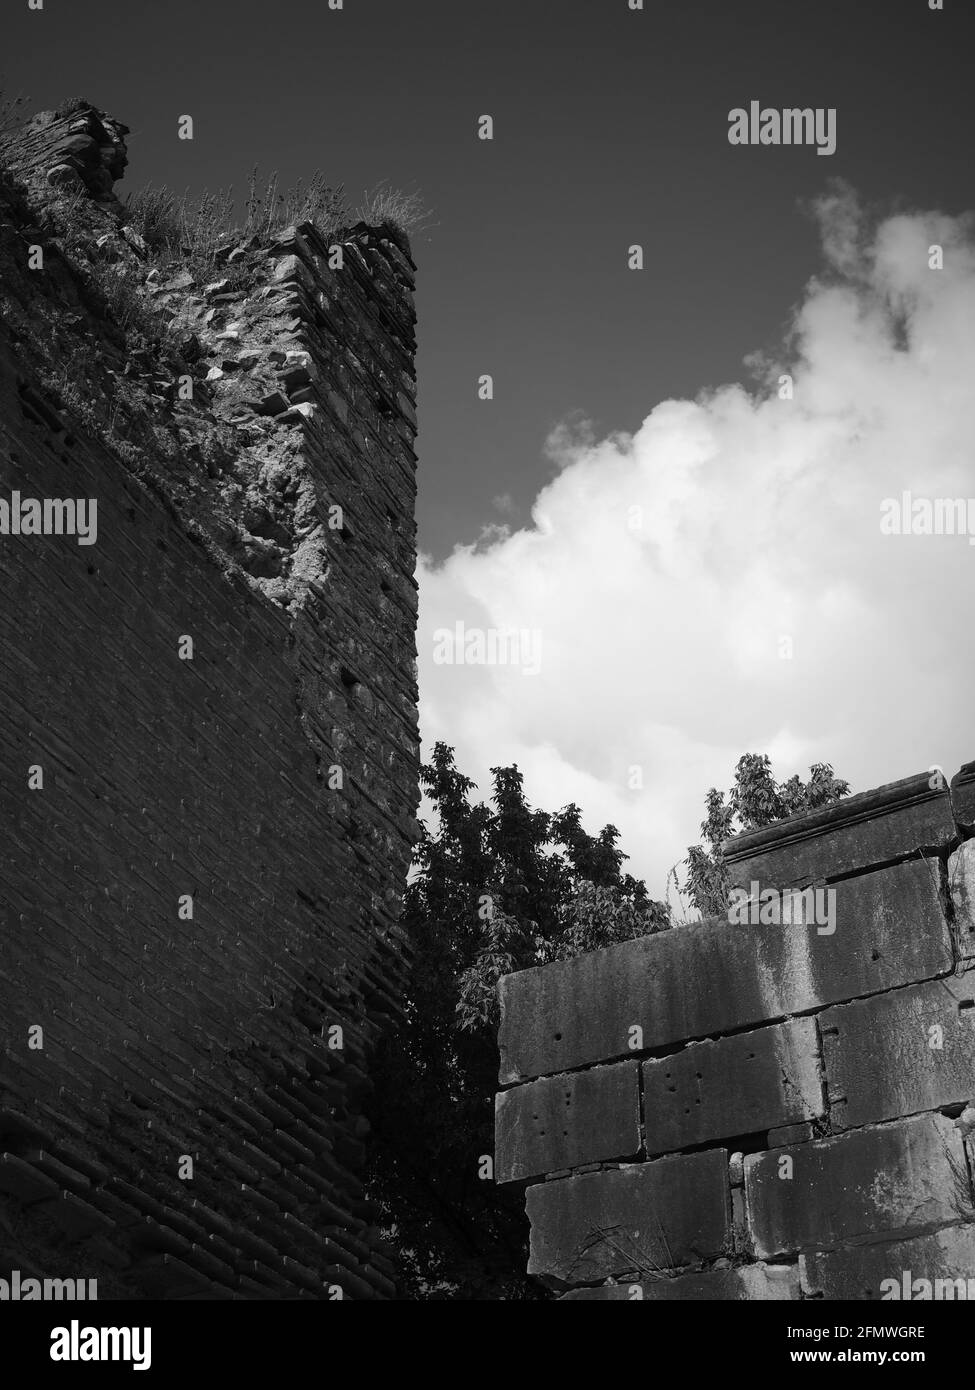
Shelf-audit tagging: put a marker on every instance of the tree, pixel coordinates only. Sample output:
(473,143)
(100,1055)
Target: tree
(497,888)
(755,800)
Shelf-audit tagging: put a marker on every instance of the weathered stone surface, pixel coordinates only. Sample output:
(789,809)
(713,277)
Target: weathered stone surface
(205,778)
(714,977)
(872,828)
(961,884)
(64,176)
(24,1180)
(644,1217)
(182,281)
(889,1271)
(883,984)
(85,139)
(737,1085)
(272,404)
(565,1121)
(740,1244)
(791,1134)
(963,796)
(758,1281)
(873,1184)
(881,1057)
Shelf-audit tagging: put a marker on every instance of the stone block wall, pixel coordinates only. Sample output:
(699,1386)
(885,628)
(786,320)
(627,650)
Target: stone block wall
(769,1106)
(201,857)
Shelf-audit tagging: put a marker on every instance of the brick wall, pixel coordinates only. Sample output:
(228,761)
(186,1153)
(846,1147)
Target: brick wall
(272,778)
(764,1108)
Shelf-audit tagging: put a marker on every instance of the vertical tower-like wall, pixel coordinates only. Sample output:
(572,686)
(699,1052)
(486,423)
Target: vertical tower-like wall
(208,739)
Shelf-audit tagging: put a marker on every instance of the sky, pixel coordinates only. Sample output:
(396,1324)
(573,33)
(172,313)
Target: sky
(635,497)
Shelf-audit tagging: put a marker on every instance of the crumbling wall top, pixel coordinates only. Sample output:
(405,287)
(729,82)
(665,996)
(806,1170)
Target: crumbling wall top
(76,147)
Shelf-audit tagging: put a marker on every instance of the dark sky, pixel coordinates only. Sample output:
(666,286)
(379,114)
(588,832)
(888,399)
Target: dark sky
(610,128)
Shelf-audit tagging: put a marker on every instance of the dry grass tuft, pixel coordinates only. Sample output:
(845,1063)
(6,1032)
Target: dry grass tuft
(177,228)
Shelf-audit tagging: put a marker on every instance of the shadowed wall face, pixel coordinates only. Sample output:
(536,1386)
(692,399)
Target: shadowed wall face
(772,1106)
(209,752)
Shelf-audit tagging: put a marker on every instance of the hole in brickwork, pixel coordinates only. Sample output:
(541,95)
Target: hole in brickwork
(755,1143)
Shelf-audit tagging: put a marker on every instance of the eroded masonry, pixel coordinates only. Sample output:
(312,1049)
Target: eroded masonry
(208,759)
(753,1109)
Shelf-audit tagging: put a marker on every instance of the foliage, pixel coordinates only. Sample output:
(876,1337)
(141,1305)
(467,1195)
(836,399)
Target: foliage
(384,203)
(178,227)
(755,800)
(497,888)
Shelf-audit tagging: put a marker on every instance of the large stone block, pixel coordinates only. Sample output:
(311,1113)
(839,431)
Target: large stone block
(874,827)
(640,1219)
(900,1053)
(873,1184)
(734,1086)
(747,1282)
(564,1121)
(890,1271)
(963,796)
(716,977)
(961,884)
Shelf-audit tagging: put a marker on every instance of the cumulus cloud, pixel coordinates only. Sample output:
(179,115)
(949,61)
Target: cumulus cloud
(668,573)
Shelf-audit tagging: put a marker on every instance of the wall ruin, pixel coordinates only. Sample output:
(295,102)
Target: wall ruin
(201,855)
(739,1109)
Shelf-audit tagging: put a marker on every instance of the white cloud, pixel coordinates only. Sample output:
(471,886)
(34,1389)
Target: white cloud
(759,518)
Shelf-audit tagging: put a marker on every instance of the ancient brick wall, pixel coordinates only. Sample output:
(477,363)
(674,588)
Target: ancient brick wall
(764,1108)
(202,848)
